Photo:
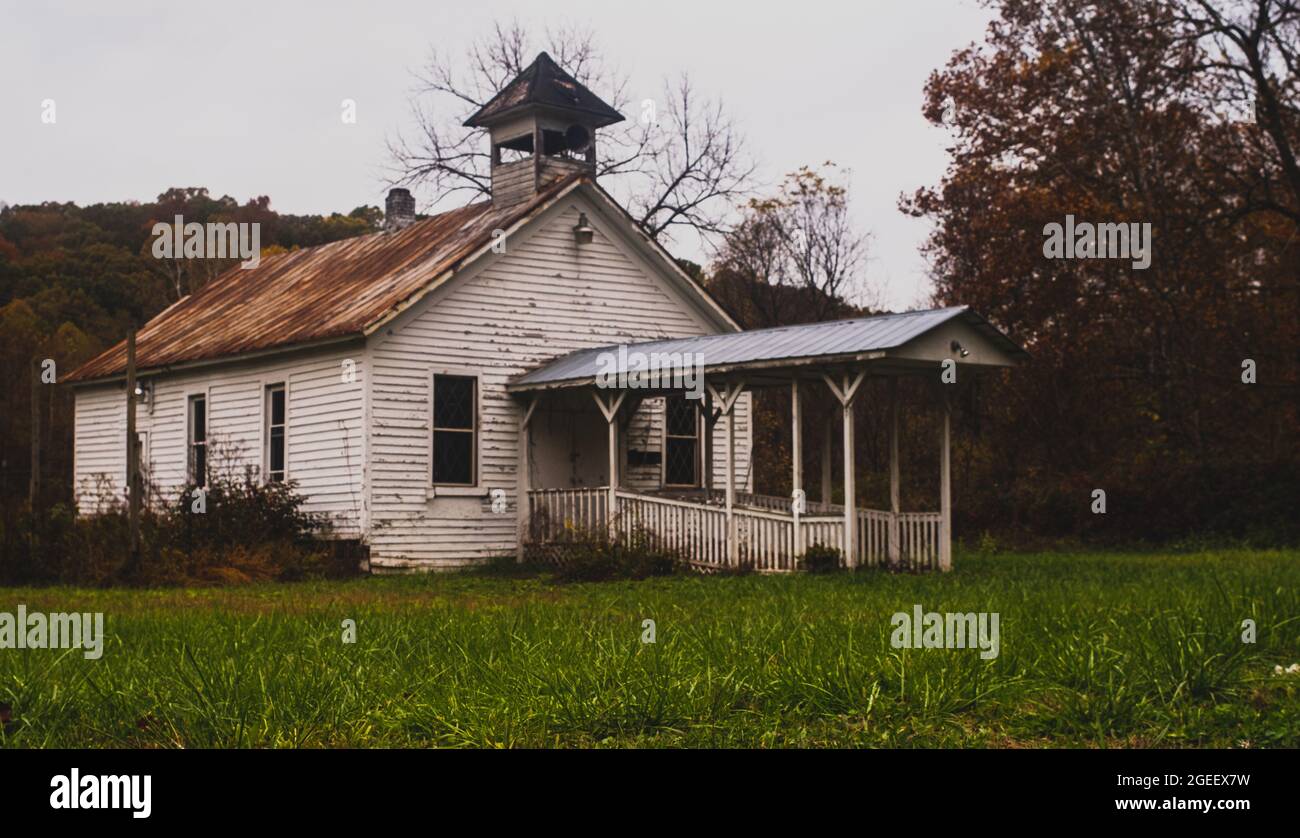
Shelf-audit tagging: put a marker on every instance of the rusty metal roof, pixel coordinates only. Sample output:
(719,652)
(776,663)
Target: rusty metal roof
(316,294)
(544,83)
(834,339)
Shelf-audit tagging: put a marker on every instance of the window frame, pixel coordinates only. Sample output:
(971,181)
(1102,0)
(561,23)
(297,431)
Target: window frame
(267,395)
(472,431)
(190,444)
(144,463)
(699,435)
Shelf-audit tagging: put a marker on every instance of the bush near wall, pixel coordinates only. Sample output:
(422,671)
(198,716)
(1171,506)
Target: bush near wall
(247,532)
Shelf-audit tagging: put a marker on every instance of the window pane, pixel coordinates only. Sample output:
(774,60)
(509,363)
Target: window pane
(276,458)
(277,406)
(681,416)
(199,420)
(679,470)
(200,470)
(453,457)
(453,402)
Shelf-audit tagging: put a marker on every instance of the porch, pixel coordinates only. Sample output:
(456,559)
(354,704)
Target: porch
(715,528)
(770,536)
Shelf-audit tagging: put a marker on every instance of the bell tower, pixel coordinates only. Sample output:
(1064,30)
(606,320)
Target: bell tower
(542,127)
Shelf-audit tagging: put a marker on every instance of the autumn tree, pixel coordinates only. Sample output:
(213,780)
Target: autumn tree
(1108,111)
(796,256)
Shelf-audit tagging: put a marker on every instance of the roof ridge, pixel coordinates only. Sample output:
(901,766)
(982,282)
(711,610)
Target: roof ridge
(536,68)
(823,323)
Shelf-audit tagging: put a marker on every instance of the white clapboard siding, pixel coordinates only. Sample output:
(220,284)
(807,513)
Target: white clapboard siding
(99,462)
(325,440)
(544,297)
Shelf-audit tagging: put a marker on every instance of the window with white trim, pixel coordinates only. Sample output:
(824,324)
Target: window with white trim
(455,430)
(142,455)
(681,441)
(276,416)
(198,440)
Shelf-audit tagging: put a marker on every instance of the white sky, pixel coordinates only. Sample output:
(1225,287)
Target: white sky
(243,98)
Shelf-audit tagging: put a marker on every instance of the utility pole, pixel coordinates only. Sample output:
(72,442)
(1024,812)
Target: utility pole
(132,450)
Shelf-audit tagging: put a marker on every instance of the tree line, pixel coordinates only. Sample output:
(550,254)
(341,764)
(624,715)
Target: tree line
(1171,387)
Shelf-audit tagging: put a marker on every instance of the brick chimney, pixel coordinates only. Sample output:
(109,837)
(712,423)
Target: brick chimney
(399,210)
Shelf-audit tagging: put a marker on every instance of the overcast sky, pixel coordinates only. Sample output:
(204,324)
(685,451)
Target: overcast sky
(244,98)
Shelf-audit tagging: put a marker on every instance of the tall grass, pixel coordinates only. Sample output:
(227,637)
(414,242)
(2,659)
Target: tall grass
(1096,650)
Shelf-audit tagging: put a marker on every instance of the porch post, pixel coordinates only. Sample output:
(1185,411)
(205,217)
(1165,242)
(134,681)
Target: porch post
(733,548)
(796,456)
(850,501)
(847,394)
(895,547)
(610,412)
(726,399)
(612,503)
(945,490)
(523,479)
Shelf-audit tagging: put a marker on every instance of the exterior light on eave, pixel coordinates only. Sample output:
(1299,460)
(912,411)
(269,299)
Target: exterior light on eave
(959,349)
(583,231)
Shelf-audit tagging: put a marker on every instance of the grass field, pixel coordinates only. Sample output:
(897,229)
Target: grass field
(1096,650)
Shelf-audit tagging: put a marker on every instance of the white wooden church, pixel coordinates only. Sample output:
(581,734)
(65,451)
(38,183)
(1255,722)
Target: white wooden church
(437,388)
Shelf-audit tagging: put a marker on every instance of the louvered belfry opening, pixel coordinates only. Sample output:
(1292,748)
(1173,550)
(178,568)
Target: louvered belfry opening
(542,127)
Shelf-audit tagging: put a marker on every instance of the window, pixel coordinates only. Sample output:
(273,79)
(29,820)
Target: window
(454,420)
(681,442)
(199,440)
(142,456)
(275,433)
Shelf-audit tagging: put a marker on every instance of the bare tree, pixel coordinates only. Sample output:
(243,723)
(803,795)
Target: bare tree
(798,254)
(1252,64)
(678,163)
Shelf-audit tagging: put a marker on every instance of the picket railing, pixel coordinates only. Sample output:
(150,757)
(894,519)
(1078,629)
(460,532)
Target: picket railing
(765,528)
(919,539)
(560,515)
(696,531)
(780,504)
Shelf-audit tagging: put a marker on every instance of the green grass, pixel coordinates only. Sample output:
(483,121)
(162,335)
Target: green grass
(1096,650)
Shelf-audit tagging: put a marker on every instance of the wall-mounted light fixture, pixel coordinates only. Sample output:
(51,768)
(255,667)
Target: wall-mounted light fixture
(583,231)
(144,393)
(959,349)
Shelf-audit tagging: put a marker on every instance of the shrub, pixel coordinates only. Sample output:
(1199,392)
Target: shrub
(821,559)
(248,532)
(591,558)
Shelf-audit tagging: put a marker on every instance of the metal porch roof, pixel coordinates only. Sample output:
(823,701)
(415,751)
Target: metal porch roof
(832,340)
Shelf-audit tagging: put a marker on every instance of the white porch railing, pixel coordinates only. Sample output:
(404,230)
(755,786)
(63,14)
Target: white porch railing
(919,539)
(558,515)
(765,528)
(696,531)
(779,504)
